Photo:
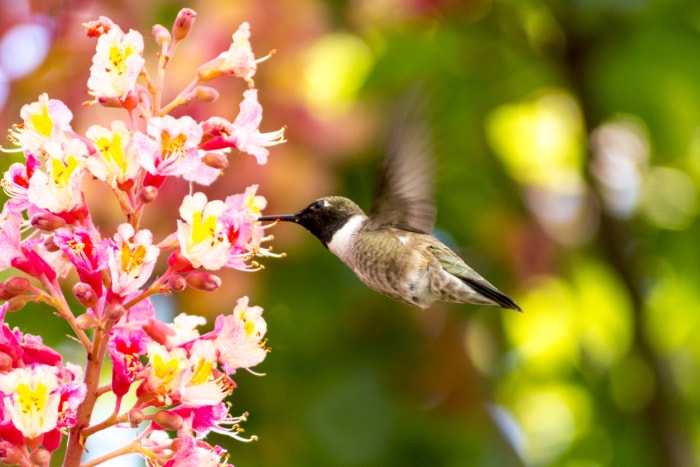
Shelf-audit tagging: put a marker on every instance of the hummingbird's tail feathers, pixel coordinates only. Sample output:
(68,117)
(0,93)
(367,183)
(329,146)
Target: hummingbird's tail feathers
(496,296)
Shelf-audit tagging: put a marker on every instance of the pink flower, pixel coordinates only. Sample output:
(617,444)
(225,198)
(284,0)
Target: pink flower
(199,233)
(10,236)
(38,393)
(85,252)
(31,399)
(15,182)
(238,60)
(44,120)
(211,418)
(171,149)
(14,252)
(72,392)
(243,230)
(116,65)
(128,342)
(131,258)
(247,136)
(115,160)
(188,451)
(238,337)
(244,132)
(56,186)
(125,347)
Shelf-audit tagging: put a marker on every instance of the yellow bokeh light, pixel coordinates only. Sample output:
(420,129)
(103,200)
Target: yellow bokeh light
(551,417)
(540,140)
(337,67)
(588,317)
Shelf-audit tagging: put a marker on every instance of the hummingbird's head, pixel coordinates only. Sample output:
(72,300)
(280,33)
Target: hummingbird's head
(323,217)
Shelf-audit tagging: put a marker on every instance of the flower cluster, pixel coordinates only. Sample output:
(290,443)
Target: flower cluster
(169,380)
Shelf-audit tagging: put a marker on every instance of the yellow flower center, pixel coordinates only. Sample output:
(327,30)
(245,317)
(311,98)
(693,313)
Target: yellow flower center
(172,147)
(202,372)
(202,229)
(61,172)
(42,122)
(165,370)
(132,259)
(32,401)
(112,151)
(118,57)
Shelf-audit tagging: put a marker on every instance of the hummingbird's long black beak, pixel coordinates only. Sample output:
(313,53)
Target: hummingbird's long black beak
(280,217)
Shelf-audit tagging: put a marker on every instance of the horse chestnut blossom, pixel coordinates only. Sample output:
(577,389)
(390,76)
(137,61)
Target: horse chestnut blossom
(180,376)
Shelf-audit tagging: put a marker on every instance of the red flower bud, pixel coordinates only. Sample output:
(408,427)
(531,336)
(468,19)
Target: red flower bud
(85,294)
(40,457)
(167,420)
(114,312)
(203,281)
(136,416)
(148,194)
(177,283)
(215,160)
(16,303)
(47,221)
(161,34)
(86,321)
(16,285)
(183,23)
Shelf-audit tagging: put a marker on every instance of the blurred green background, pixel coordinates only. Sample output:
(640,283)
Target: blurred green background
(567,135)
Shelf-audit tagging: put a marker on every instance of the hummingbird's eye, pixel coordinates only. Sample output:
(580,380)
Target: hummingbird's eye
(319,204)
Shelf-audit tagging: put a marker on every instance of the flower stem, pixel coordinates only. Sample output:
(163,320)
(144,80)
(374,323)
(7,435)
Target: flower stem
(129,448)
(95,359)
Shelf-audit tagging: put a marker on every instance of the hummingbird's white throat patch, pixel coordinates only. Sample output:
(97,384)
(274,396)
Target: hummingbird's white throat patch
(343,239)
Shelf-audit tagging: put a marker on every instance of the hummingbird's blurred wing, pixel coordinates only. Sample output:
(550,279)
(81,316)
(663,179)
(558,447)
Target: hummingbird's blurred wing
(404,196)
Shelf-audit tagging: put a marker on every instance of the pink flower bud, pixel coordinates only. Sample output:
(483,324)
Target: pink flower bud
(168,420)
(16,303)
(109,101)
(210,70)
(161,34)
(5,365)
(50,244)
(158,331)
(215,160)
(183,23)
(98,27)
(205,94)
(148,194)
(136,416)
(203,281)
(86,321)
(85,294)
(10,454)
(177,283)
(47,222)
(40,457)
(114,311)
(16,285)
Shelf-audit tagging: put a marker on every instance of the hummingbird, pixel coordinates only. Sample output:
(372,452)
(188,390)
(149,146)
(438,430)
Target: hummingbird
(392,250)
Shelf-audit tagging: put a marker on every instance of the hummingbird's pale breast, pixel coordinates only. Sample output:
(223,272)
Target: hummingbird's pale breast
(389,261)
